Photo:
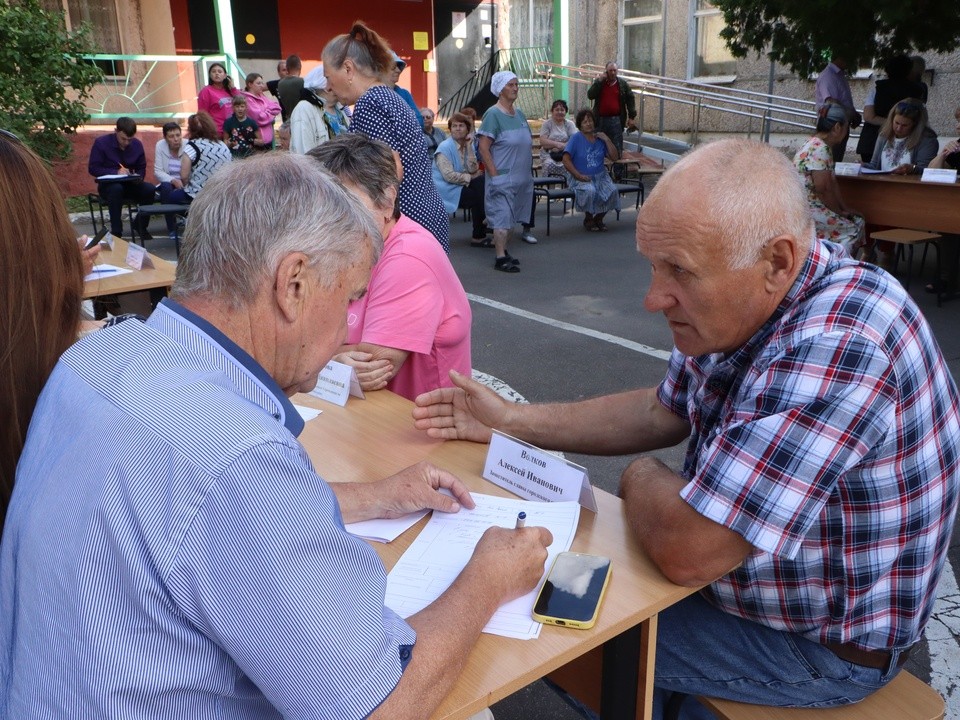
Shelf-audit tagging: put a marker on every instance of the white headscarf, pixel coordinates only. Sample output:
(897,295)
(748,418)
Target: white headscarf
(499,81)
(315,79)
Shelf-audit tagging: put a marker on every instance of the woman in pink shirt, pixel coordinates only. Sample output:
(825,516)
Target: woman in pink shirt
(413,325)
(261,109)
(216,97)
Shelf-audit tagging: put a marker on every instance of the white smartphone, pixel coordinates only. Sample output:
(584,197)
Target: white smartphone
(572,593)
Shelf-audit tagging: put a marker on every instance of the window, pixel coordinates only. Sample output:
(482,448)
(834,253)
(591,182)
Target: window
(643,35)
(709,55)
(101,17)
(531,23)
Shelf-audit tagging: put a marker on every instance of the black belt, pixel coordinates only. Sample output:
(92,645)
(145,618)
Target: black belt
(877,659)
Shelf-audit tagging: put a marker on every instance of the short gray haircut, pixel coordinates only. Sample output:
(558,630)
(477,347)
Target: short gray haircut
(253,213)
(754,194)
(363,161)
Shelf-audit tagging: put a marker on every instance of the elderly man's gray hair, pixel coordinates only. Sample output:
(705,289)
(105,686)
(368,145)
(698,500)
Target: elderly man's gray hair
(754,194)
(253,213)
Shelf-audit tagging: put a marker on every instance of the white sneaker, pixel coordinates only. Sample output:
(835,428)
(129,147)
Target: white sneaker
(528,238)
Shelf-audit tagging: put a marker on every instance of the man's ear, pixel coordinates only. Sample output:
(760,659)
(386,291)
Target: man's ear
(290,285)
(782,258)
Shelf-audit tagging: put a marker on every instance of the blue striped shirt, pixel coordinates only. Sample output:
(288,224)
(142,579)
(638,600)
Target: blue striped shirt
(170,552)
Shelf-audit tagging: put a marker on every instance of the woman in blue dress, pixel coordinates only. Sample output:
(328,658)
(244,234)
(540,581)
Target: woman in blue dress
(506,150)
(583,157)
(356,65)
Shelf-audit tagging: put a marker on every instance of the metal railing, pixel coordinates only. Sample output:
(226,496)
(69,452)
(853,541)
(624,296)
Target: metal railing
(151,87)
(774,112)
(523,62)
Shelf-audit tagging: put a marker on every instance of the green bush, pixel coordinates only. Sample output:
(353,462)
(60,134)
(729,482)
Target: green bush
(43,80)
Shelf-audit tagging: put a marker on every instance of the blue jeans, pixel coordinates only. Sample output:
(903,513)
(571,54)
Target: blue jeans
(704,651)
(115,194)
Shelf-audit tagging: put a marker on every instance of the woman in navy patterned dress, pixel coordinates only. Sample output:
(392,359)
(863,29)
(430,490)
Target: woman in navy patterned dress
(356,65)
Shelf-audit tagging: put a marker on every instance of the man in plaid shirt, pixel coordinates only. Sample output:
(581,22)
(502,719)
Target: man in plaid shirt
(818,495)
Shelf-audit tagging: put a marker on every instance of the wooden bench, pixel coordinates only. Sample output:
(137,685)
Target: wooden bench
(903,698)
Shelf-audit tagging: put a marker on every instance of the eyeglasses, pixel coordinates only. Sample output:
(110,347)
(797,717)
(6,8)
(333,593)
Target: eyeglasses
(10,136)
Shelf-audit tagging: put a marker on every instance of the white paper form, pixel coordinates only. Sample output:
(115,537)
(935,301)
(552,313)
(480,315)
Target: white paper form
(444,546)
(106,271)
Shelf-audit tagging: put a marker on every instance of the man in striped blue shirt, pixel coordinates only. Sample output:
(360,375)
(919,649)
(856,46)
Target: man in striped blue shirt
(190,562)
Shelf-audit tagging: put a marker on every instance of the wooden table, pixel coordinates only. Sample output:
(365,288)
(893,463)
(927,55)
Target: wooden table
(373,438)
(159,276)
(903,201)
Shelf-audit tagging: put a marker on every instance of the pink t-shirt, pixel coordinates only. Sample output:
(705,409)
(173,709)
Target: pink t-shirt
(415,302)
(217,102)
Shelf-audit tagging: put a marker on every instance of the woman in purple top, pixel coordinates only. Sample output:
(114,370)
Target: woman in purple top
(356,66)
(217,96)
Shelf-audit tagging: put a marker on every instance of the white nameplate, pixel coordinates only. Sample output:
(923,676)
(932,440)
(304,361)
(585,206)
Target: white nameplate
(535,474)
(842,168)
(108,240)
(336,382)
(936,175)
(137,257)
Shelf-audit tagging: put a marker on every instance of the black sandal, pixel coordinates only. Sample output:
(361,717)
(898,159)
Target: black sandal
(506,264)
(481,242)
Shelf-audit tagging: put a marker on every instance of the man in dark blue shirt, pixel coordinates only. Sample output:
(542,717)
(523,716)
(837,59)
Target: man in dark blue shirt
(121,154)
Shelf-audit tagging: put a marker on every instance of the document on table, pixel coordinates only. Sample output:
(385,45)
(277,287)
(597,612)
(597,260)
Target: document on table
(105,271)
(307,413)
(869,171)
(384,530)
(444,546)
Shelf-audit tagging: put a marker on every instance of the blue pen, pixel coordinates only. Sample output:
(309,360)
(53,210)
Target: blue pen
(521,520)
(104,271)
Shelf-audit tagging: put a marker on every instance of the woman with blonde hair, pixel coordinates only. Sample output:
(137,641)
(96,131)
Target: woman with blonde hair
(358,65)
(906,144)
(43,289)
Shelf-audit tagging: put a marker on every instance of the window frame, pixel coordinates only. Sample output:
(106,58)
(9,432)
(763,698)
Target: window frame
(628,22)
(110,69)
(693,38)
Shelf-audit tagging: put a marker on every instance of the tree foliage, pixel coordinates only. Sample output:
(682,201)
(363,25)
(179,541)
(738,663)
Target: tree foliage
(43,81)
(803,34)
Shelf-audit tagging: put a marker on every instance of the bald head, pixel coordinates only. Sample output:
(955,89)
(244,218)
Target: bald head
(726,231)
(748,191)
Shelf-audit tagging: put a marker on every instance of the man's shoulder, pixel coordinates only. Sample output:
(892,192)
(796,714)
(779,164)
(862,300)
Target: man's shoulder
(857,300)
(174,393)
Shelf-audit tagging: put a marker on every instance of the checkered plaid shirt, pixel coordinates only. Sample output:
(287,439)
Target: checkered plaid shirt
(829,442)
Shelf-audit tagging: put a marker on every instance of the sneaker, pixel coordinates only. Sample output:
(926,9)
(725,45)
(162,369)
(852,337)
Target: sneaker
(528,238)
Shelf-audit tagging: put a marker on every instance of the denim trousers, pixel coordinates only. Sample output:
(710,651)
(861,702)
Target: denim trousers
(704,651)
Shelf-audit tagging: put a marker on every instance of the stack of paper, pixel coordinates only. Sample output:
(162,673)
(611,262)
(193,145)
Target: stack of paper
(442,549)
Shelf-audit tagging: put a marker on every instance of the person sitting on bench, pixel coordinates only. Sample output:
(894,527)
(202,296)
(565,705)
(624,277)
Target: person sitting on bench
(119,164)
